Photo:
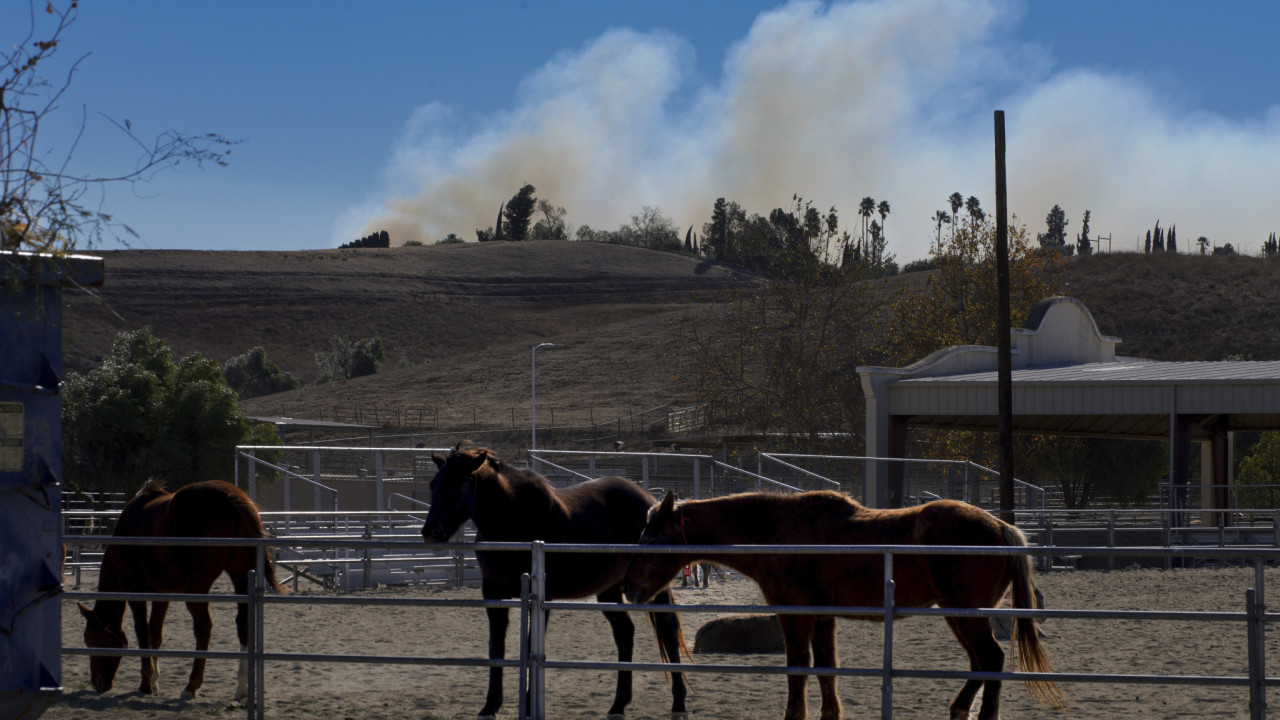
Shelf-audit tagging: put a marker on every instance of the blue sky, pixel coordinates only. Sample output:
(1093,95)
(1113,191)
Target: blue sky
(421,117)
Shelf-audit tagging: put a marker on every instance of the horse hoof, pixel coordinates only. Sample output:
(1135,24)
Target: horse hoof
(680,716)
(486,717)
(188,695)
(615,716)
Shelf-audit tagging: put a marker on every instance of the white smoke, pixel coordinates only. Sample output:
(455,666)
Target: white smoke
(891,100)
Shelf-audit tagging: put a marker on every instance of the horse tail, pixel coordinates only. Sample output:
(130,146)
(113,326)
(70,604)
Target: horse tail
(1031,653)
(255,529)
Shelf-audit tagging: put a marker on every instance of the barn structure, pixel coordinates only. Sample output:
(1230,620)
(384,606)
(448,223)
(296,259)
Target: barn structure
(1068,380)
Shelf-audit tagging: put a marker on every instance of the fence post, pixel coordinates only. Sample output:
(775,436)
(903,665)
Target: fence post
(253,475)
(1111,539)
(377,469)
(886,678)
(644,472)
(1258,618)
(537,633)
(1257,705)
(523,683)
(697,485)
(367,564)
(316,475)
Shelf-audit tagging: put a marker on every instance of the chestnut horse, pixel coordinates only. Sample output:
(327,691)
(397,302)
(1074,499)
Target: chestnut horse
(508,504)
(211,509)
(828,518)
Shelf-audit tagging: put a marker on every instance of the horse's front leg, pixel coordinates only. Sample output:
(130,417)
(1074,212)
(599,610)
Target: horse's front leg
(667,626)
(141,630)
(498,620)
(824,655)
(985,655)
(624,636)
(202,626)
(797,633)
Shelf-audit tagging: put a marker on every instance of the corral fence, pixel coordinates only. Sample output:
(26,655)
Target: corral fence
(922,480)
(532,661)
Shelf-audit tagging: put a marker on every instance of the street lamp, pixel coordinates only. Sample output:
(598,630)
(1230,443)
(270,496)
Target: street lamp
(533,395)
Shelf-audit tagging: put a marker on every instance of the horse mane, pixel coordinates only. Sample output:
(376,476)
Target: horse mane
(155,485)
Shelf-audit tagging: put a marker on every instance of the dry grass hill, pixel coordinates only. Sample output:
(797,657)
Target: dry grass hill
(458,320)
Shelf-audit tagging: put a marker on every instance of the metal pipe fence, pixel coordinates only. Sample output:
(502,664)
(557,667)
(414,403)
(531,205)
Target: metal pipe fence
(533,662)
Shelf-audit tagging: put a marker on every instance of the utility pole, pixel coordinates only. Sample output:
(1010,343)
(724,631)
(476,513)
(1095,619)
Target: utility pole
(1004,370)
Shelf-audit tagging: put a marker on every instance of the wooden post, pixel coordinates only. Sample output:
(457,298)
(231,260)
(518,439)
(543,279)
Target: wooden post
(1004,371)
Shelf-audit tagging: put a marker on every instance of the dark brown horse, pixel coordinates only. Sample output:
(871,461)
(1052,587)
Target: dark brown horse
(508,504)
(212,509)
(828,518)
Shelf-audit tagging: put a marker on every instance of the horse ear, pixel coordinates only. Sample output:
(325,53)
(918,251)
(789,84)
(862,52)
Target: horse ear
(438,459)
(668,502)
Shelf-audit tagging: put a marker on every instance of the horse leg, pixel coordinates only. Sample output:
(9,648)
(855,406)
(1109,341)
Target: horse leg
(797,634)
(667,626)
(985,655)
(824,655)
(202,626)
(624,637)
(156,630)
(142,631)
(498,620)
(240,581)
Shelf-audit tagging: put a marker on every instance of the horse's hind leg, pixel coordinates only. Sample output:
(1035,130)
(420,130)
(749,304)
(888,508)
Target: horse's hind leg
(669,635)
(624,636)
(141,630)
(241,583)
(202,626)
(824,655)
(985,655)
(797,634)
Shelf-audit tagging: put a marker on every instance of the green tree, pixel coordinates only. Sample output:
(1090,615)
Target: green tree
(518,214)
(450,239)
(140,415)
(1258,479)
(45,205)
(1056,237)
(1084,245)
(254,375)
(1087,470)
(652,229)
(552,226)
(940,218)
(346,359)
(865,209)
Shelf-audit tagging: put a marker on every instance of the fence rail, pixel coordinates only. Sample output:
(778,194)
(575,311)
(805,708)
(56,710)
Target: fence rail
(532,660)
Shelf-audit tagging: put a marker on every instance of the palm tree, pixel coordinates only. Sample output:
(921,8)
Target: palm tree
(975,209)
(865,208)
(956,201)
(939,218)
(883,209)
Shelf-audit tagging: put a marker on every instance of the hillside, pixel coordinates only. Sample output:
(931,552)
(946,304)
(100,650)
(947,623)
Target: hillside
(465,316)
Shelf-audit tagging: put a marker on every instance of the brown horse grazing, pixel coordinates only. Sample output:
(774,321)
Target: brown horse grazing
(828,518)
(212,509)
(512,505)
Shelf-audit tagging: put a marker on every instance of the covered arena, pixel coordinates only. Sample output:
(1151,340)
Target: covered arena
(1068,380)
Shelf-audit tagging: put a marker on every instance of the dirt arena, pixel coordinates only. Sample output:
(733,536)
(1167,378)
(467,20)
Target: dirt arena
(329,690)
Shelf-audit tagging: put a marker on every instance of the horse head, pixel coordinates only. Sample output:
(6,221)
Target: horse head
(101,633)
(453,491)
(648,573)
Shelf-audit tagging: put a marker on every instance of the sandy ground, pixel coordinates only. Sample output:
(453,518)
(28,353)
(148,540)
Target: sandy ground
(330,690)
